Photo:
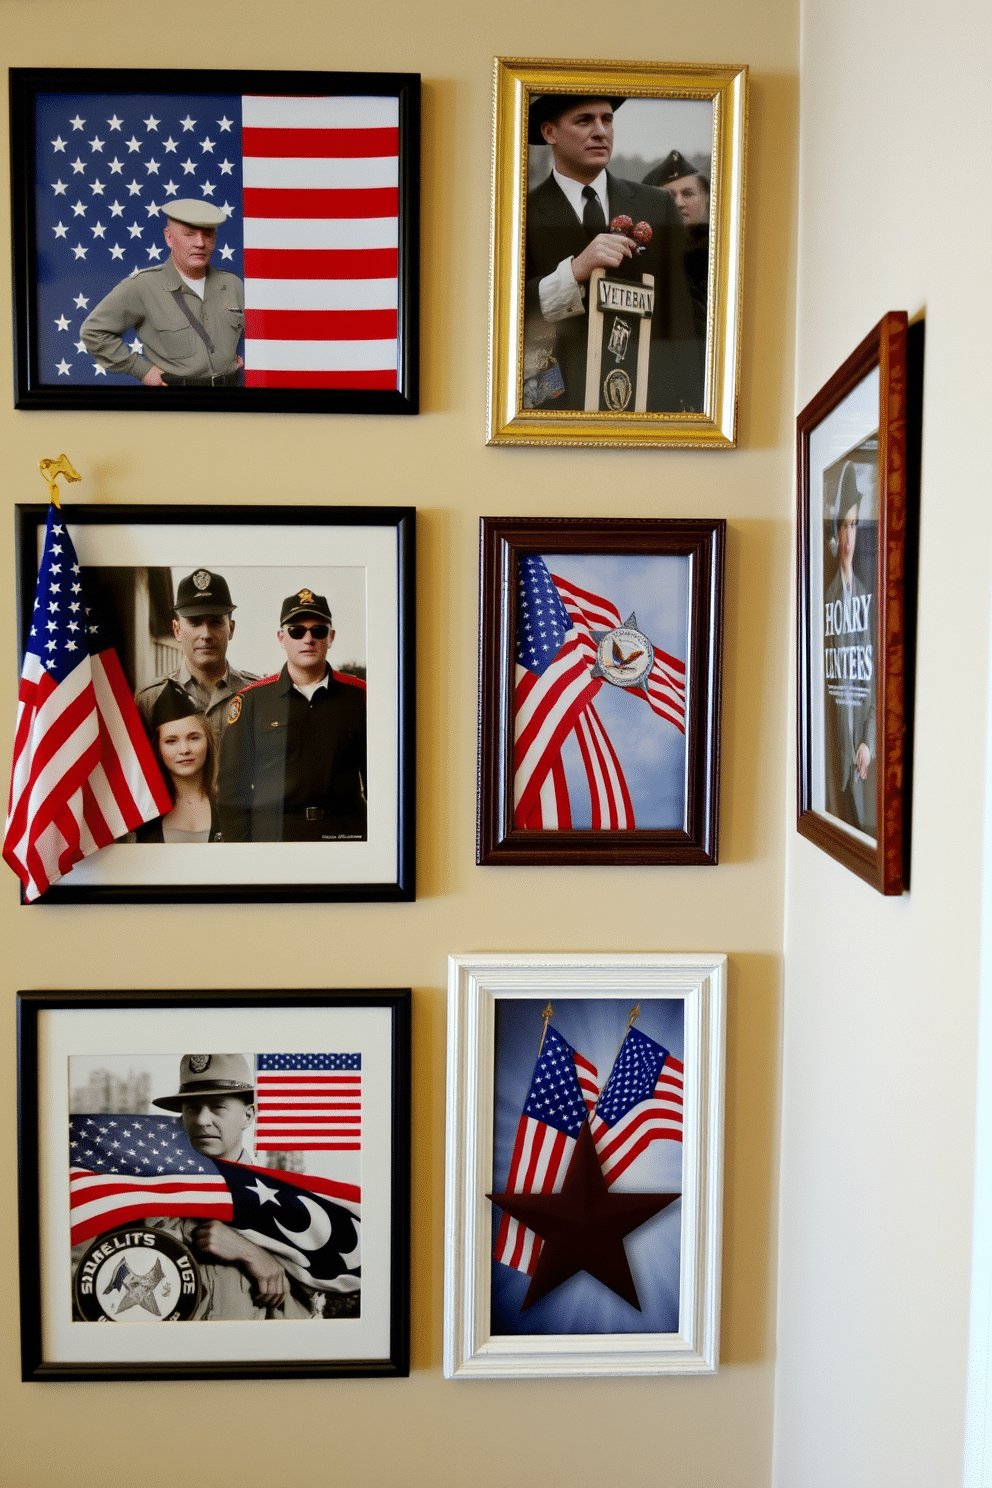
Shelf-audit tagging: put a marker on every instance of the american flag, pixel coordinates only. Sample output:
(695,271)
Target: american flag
(83,771)
(125,1169)
(563,1092)
(641,1103)
(310,189)
(309,1102)
(554,697)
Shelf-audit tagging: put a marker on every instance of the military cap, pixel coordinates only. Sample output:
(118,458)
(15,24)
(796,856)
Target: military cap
(204,1075)
(203,593)
(848,492)
(193,213)
(672,168)
(173,703)
(305,602)
(547,107)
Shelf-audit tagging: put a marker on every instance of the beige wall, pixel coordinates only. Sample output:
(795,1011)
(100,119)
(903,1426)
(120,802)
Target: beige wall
(710,1433)
(882,997)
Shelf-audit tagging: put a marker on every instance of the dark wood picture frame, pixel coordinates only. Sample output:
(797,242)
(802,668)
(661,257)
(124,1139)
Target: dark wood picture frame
(43,1101)
(852,442)
(307,380)
(505,542)
(132,543)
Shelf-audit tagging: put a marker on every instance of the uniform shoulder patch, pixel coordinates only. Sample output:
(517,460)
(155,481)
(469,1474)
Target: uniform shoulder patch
(234,711)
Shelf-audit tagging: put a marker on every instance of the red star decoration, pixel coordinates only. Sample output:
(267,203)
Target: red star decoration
(583,1227)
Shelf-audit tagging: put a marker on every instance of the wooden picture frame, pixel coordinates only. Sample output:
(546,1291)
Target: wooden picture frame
(538,1048)
(318,177)
(683,126)
(857,471)
(362,561)
(589,754)
(109,1235)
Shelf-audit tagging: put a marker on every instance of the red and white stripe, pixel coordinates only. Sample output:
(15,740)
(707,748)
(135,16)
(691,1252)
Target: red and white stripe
(83,770)
(321,241)
(541,1155)
(612,808)
(545,712)
(308,1111)
(102,1201)
(659,1118)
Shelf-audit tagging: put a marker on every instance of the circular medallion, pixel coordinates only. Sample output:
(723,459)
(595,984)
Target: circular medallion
(137,1275)
(617,390)
(201,579)
(625,657)
(198,1063)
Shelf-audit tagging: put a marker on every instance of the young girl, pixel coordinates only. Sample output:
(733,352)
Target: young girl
(184,747)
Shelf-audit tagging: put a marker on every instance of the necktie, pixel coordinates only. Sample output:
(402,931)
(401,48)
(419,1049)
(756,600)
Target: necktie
(592,213)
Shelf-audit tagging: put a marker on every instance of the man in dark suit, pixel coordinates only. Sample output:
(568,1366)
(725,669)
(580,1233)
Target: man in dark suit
(849,672)
(568,218)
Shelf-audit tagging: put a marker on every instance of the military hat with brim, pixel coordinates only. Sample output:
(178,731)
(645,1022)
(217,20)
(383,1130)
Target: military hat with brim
(672,168)
(203,593)
(547,107)
(848,491)
(204,1075)
(305,602)
(193,213)
(173,703)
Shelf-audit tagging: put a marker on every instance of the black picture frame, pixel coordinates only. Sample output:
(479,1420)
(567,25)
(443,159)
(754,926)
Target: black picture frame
(377,1021)
(385,249)
(858,444)
(147,549)
(699,545)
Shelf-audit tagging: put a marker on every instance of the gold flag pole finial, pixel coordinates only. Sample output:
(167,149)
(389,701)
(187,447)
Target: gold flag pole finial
(52,469)
(635,1013)
(547,1015)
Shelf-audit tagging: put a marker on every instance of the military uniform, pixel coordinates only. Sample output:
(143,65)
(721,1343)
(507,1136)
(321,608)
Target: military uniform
(213,705)
(149,303)
(293,770)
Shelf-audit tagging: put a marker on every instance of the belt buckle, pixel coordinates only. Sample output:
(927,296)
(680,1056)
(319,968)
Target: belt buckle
(217,379)
(314,813)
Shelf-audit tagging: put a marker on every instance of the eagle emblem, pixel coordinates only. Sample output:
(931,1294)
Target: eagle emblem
(624,656)
(305,596)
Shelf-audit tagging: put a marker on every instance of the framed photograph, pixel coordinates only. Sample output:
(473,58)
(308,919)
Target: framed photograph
(218,615)
(271,1185)
(584,1165)
(617,253)
(852,719)
(600,670)
(237,241)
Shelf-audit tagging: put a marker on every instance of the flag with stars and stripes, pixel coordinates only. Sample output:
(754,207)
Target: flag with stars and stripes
(310,190)
(563,1092)
(83,770)
(554,697)
(308,1102)
(128,1169)
(641,1103)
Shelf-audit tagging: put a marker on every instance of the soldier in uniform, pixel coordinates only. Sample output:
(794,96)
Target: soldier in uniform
(293,757)
(203,626)
(690,191)
(241,1280)
(188,317)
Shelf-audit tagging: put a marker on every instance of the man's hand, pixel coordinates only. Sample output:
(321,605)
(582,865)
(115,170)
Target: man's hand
(862,760)
(214,1238)
(606,251)
(154,378)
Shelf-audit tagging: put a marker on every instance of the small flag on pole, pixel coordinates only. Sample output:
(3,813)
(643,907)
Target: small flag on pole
(83,770)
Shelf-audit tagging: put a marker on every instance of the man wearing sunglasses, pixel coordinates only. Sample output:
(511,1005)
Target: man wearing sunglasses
(293,759)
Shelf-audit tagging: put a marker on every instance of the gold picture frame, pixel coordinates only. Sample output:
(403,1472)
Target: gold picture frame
(702,404)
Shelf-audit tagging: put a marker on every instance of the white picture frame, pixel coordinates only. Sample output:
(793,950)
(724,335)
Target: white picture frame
(597,989)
